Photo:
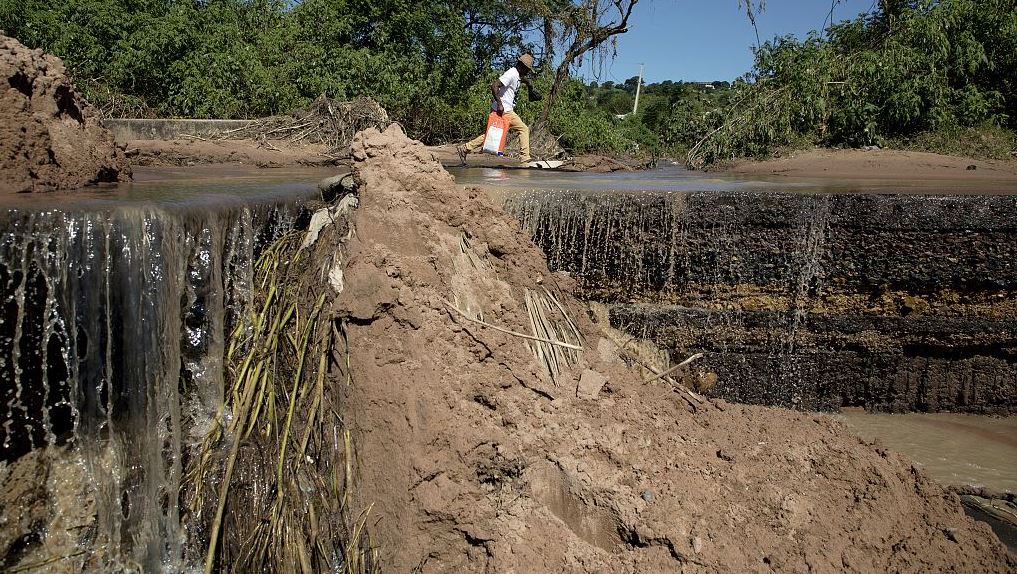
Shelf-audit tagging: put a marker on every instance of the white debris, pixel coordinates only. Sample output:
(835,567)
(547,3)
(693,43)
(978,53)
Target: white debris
(335,277)
(319,220)
(325,216)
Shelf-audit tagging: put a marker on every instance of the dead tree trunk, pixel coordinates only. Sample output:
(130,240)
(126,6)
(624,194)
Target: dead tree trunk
(586,26)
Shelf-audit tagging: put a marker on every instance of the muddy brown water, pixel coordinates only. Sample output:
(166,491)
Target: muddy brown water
(955,449)
(677,178)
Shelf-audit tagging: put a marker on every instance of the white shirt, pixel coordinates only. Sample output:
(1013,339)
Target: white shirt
(509,86)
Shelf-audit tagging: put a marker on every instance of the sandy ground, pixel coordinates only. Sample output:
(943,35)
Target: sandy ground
(476,459)
(888,165)
(191,152)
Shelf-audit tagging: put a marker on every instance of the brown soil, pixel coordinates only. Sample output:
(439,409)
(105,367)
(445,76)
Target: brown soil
(186,152)
(882,164)
(50,138)
(475,459)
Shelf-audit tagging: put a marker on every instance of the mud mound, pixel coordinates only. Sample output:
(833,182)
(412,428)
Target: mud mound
(50,138)
(476,458)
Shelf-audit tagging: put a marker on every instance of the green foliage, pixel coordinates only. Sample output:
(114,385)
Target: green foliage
(251,58)
(921,67)
(582,126)
(986,141)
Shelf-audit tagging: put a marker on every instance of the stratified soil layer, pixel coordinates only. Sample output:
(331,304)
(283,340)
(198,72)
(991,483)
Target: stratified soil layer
(50,137)
(476,460)
(815,301)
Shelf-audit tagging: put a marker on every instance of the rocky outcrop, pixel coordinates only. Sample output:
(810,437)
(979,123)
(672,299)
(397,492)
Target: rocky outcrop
(805,300)
(50,137)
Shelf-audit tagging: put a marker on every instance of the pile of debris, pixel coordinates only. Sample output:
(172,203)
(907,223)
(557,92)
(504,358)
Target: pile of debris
(326,121)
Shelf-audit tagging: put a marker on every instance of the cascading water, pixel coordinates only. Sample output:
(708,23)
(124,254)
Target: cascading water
(804,274)
(806,300)
(112,328)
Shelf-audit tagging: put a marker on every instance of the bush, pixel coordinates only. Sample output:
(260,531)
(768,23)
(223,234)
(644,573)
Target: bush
(927,67)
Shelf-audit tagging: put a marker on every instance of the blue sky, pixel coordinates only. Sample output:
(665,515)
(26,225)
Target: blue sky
(705,40)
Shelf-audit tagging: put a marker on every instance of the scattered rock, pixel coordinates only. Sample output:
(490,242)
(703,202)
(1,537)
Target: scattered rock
(590,384)
(336,186)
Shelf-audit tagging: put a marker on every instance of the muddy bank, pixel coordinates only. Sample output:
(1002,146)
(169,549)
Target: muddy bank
(479,456)
(196,151)
(50,137)
(199,151)
(880,164)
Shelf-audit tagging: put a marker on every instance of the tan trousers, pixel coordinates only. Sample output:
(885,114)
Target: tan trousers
(516,125)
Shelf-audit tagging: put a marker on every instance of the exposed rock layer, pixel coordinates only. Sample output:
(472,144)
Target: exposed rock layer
(816,301)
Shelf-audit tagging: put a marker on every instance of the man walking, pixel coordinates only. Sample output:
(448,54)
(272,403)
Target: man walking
(503,96)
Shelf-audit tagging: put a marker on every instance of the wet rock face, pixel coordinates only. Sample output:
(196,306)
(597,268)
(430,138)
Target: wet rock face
(50,137)
(669,247)
(113,325)
(880,363)
(891,303)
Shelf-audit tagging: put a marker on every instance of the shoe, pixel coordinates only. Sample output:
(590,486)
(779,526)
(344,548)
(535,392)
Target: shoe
(544,164)
(461,150)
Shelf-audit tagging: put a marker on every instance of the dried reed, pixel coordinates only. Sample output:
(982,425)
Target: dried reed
(276,466)
(558,341)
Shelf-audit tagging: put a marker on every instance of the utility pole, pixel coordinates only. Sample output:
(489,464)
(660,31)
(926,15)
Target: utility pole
(639,84)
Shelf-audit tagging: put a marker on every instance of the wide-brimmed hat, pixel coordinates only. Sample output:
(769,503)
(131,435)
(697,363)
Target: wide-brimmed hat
(526,60)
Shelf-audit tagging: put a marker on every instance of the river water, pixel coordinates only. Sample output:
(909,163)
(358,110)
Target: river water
(956,449)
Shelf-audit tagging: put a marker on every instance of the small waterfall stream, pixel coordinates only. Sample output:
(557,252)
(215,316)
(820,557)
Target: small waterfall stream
(803,299)
(113,317)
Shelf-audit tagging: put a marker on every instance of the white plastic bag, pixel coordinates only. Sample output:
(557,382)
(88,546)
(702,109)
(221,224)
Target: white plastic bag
(492,142)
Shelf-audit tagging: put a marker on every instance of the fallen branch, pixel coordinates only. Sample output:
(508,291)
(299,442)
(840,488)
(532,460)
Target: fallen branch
(665,375)
(674,368)
(511,332)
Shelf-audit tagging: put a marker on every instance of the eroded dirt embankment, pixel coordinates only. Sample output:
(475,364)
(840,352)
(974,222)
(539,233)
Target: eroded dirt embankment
(50,137)
(476,460)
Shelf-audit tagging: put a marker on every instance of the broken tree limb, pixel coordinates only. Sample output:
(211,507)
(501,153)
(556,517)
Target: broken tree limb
(511,332)
(674,368)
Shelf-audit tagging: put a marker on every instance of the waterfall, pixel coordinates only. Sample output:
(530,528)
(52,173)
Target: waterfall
(806,300)
(112,325)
